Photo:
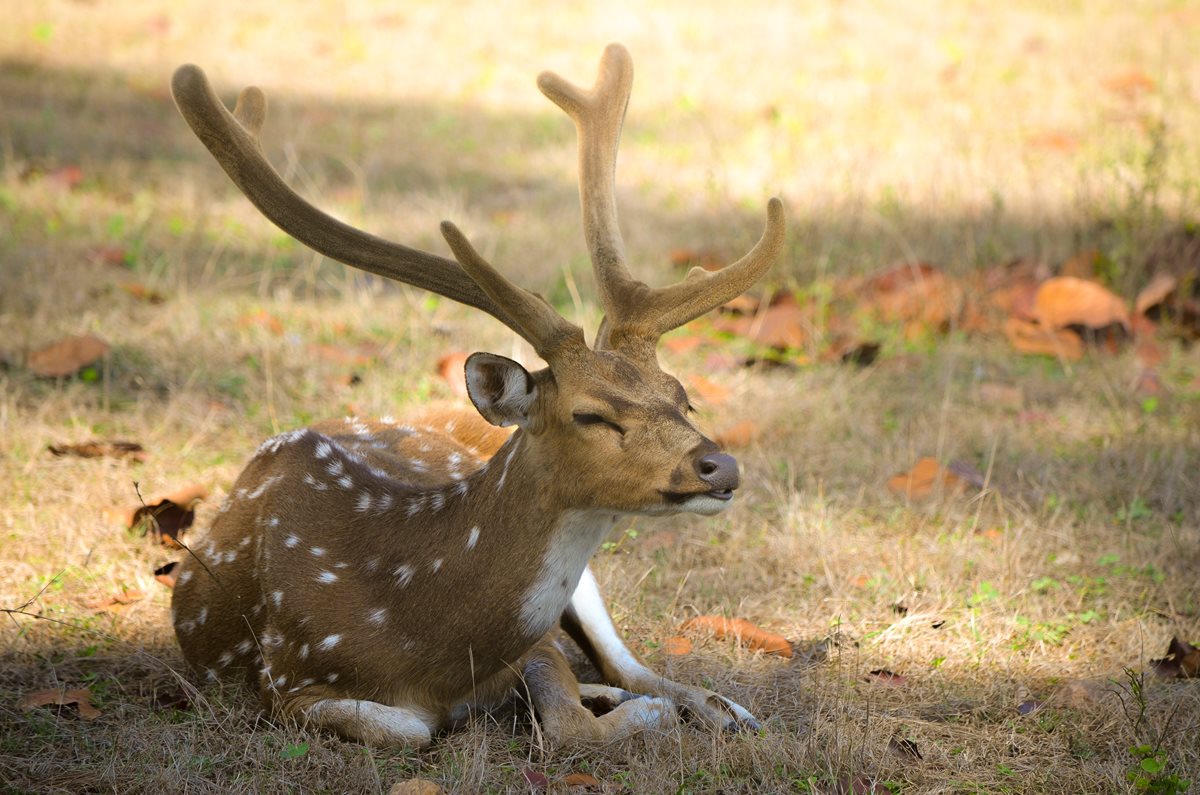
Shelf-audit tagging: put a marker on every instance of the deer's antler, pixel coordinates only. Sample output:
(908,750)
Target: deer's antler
(635,312)
(233,140)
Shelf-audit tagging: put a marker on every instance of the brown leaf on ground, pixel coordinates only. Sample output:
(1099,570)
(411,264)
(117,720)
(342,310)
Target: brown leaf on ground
(1052,140)
(67,356)
(126,596)
(451,368)
(68,176)
(778,326)
(849,349)
(534,779)
(1147,383)
(115,256)
(917,294)
(1032,338)
(167,518)
(143,293)
(709,391)
(1182,661)
(1080,693)
(925,476)
(742,631)
(1130,84)
(882,676)
(581,780)
(676,646)
(167,573)
(741,305)
(704,258)
(1068,301)
(99,448)
(738,435)
(80,699)
(685,343)
(1148,353)
(1156,293)
(416,786)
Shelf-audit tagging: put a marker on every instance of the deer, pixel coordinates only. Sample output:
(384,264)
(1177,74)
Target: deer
(386,580)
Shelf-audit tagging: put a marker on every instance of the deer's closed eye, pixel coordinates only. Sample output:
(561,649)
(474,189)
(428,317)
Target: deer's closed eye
(583,418)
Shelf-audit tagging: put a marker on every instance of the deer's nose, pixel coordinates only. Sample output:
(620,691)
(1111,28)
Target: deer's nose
(718,470)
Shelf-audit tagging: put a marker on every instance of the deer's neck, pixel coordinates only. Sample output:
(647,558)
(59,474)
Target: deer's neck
(502,536)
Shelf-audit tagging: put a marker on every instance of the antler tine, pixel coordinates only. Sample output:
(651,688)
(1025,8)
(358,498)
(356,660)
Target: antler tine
(650,313)
(530,315)
(598,115)
(233,141)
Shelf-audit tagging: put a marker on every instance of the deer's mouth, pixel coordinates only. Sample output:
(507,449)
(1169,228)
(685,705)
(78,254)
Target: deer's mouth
(681,497)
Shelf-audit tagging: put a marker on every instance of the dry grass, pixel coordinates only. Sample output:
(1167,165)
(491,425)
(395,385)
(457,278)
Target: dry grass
(892,131)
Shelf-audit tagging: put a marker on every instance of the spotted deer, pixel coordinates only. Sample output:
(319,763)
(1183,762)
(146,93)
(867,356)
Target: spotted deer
(385,579)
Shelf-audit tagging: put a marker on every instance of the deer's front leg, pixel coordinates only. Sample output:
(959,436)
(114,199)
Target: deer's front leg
(587,621)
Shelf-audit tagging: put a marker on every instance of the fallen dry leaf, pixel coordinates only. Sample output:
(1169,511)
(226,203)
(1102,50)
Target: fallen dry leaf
(357,355)
(534,779)
(882,676)
(917,294)
(173,699)
(696,258)
(124,597)
(451,368)
(1182,661)
(904,747)
(710,391)
(581,780)
(741,305)
(1032,338)
(167,573)
(116,256)
(1130,84)
(143,293)
(1155,293)
(1080,693)
(676,646)
(685,343)
(1052,140)
(98,448)
(1068,301)
(167,518)
(742,631)
(925,476)
(67,356)
(778,326)
(738,435)
(80,699)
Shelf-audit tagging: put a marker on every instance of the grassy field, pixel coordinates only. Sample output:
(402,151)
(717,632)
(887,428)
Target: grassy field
(963,134)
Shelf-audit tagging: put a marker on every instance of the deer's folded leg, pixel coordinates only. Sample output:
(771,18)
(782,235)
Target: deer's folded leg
(564,720)
(587,621)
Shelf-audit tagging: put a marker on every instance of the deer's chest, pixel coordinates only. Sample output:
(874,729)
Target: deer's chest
(571,546)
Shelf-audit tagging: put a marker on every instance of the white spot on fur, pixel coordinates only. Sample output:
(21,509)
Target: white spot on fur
(291,541)
(273,521)
(437,502)
(473,538)
(404,574)
(507,460)
(303,653)
(345,482)
(437,564)
(323,449)
(461,488)
(245,542)
(262,487)
(418,465)
(317,552)
(329,642)
(184,577)
(364,502)
(371,566)
(335,467)
(385,502)
(200,619)
(225,658)
(388,419)
(415,505)
(331,678)
(377,616)
(277,597)
(280,682)
(327,577)
(316,484)
(244,646)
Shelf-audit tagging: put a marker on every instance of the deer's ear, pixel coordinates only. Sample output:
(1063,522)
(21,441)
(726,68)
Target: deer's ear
(502,390)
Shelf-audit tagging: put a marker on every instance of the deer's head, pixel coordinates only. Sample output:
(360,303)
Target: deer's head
(611,429)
